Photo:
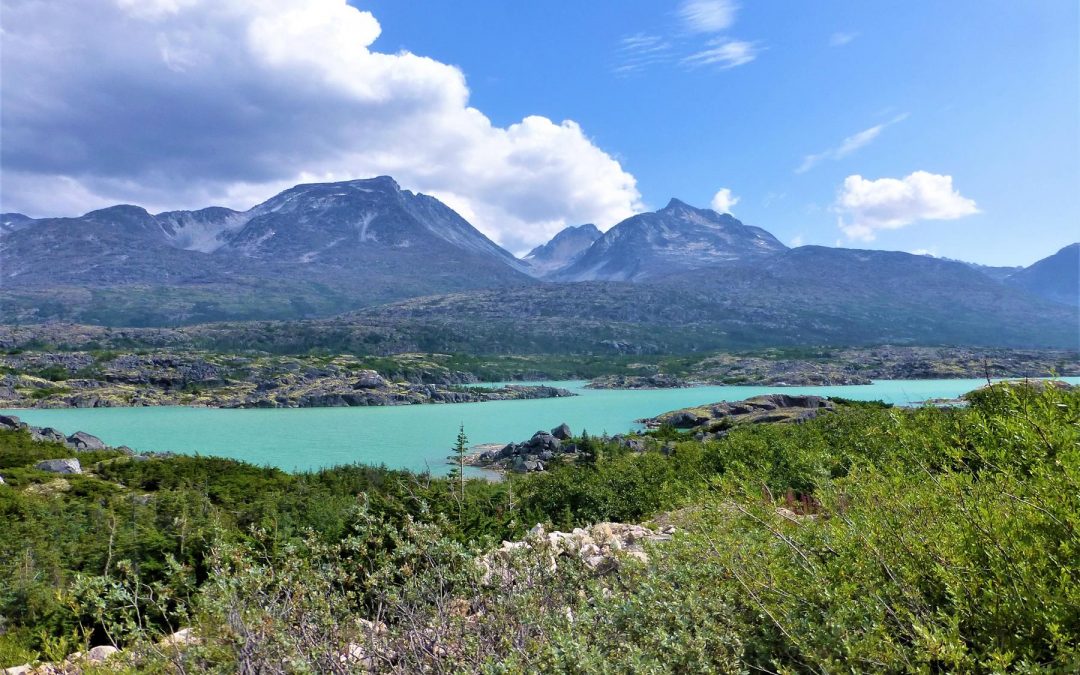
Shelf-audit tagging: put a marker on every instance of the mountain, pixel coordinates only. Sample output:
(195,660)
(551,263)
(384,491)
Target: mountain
(9,222)
(808,295)
(1056,278)
(564,248)
(312,250)
(676,238)
(371,221)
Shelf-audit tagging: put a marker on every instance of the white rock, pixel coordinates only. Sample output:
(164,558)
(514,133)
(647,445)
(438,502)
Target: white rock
(184,636)
(100,653)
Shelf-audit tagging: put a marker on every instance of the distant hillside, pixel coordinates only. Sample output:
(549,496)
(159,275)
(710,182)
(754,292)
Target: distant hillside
(809,295)
(1056,277)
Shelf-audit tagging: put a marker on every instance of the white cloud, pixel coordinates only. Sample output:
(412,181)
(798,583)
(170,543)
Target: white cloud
(848,145)
(723,53)
(841,39)
(931,252)
(867,206)
(723,201)
(637,51)
(797,241)
(708,16)
(184,103)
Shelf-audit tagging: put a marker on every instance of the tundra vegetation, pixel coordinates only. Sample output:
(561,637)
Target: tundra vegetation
(870,539)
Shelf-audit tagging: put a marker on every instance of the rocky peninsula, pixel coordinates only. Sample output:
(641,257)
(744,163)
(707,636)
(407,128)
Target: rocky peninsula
(195,378)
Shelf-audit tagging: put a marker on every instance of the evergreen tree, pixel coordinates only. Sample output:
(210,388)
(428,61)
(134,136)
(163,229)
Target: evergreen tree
(461,446)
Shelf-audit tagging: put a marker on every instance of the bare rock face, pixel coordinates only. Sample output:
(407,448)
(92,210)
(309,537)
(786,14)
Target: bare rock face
(63,466)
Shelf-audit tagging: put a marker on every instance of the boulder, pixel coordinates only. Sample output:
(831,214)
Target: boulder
(542,440)
(1,480)
(184,636)
(70,465)
(47,435)
(100,653)
(369,379)
(10,422)
(562,432)
(80,440)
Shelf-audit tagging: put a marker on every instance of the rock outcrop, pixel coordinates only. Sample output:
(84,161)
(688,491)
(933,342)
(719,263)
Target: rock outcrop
(710,421)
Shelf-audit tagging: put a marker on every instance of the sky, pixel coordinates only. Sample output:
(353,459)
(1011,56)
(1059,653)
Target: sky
(946,128)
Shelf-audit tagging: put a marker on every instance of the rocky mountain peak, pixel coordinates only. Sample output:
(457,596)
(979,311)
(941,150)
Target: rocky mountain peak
(677,238)
(563,248)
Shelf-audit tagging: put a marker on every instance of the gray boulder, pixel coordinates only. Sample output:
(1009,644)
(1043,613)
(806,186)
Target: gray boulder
(66,466)
(542,440)
(10,422)
(80,440)
(562,432)
(47,435)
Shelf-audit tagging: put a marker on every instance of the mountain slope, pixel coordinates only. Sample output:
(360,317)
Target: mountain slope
(1056,277)
(808,295)
(674,239)
(564,248)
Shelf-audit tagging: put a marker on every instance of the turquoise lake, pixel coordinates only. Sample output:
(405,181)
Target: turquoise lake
(418,437)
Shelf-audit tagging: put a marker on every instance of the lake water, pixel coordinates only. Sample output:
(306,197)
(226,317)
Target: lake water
(419,436)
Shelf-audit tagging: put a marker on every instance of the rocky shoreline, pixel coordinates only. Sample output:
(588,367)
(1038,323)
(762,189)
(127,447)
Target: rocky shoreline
(826,367)
(89,380)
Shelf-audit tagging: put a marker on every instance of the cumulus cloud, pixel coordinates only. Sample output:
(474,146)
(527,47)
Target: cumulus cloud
(848,145)
(184,103)
(708,16)
(867,206)
(724,53)
(723,201)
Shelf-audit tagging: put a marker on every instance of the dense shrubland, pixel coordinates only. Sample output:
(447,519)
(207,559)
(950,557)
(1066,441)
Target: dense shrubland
(868,540)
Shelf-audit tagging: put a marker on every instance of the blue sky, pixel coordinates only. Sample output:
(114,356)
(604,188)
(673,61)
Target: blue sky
(989,90)
(944,127)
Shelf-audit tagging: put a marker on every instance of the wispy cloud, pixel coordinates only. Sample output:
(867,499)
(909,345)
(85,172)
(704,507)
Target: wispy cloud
(840,39)
(723,53)
(637,51)
(698,44)
(708,16)
(848,145)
